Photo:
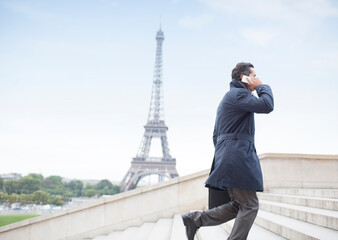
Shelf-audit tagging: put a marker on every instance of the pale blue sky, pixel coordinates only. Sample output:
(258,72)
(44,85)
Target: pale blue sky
(76,78)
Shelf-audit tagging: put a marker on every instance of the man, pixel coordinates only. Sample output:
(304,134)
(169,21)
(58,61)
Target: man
(236,167)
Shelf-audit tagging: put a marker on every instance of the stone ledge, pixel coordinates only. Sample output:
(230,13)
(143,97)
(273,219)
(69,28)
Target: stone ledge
(265,156)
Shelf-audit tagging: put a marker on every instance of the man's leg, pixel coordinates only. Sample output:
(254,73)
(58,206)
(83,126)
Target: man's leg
(217,215)
(243,206)
(211,217)
(248,205)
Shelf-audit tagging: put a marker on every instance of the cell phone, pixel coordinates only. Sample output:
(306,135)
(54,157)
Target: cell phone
(245,79)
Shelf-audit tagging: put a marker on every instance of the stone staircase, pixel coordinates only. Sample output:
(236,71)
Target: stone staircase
(284,214)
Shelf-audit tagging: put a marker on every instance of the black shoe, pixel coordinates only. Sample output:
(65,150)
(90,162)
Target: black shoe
(190,227)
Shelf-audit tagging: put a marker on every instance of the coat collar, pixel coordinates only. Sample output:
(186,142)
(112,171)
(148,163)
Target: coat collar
(237,84)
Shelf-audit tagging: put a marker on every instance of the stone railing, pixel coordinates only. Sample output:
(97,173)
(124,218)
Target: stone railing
(132,208)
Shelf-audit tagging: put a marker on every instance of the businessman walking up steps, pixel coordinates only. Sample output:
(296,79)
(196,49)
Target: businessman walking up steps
(236,168)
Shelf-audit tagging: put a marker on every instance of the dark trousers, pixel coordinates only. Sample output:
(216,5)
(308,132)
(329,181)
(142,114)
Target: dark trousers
(243,206)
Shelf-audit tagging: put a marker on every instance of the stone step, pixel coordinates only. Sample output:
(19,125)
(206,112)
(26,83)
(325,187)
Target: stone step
(114,235)
(161,230)
(321,193)
(106,237)
(321,217)
(211,233)
(139,233)
(100,237)
(127,234)
(144,231)
(178,229)
(256,232)
(316,202)
(294,229)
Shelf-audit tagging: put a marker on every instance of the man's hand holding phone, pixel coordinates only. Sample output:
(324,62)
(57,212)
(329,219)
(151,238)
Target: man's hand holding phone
(252,81)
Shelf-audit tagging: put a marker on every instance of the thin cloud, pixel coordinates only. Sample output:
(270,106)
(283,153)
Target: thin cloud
(258,37)
(31,12)
(326,59)
(278,9)
(259,8)
(112,3)
(197,21)
(294,20)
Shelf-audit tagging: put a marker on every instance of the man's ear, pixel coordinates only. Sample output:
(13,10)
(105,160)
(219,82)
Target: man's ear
(241,76)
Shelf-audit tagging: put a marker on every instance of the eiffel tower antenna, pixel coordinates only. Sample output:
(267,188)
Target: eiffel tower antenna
(144,165)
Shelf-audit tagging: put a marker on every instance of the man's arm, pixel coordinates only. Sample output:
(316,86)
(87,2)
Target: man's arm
(250,103)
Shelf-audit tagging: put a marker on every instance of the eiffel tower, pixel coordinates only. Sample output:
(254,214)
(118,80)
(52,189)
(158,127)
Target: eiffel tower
(144,165)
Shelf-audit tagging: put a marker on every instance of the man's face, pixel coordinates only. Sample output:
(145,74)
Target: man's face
(252,75)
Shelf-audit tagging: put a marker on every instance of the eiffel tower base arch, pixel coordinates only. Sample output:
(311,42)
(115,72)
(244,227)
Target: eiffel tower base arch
(140,169)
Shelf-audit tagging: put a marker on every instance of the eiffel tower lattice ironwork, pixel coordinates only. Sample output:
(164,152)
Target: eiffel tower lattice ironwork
(143,165)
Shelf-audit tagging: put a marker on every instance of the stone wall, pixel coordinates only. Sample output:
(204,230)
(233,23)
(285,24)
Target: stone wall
(299,170)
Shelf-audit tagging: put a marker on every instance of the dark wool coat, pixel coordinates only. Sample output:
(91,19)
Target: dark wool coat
(236,163)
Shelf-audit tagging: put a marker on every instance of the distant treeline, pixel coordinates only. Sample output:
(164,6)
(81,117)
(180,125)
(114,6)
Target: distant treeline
(34,188)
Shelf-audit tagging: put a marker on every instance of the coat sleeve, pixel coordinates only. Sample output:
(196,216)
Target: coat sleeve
(249,103)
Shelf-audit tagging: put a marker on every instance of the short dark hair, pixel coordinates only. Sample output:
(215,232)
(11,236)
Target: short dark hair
(241,68)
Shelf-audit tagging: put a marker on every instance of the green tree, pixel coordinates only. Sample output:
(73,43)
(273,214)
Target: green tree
(13,198)
(29,184)
(11,186)
(67,194)
(36,176)
(90,192)
(89,186)
(104,183)
(53,185)
(26,198)
(1,184)
(57,201)
(105,187)
(3,197)
(41,197)
(105,191)
(76,187)
(52,182)
(116,189)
